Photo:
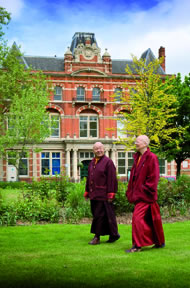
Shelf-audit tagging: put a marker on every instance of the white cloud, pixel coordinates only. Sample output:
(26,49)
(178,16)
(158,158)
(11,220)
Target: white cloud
(44,27)
(13,6)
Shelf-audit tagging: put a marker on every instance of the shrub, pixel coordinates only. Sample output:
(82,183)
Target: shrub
(121,203)
(76,207)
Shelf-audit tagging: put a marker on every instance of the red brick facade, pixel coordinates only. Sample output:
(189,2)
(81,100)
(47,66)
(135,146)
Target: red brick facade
(83,108)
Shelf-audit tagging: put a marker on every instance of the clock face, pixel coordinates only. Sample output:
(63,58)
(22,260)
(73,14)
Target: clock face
(88,53)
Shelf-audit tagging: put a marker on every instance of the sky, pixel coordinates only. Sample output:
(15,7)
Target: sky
(124,27)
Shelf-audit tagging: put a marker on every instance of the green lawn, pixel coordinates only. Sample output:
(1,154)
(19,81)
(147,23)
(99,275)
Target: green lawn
(57,255)
(9,195)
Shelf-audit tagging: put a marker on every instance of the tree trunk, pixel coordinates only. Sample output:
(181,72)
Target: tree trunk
(178,161)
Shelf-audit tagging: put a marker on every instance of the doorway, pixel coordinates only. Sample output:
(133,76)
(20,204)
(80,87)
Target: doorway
(84,169)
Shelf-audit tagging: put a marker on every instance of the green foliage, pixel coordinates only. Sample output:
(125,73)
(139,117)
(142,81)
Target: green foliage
(29,208)
(122,205)
(175,195)
(24,96)
(178,146)
(76,207)
(60,200)
(12,185)
(4,20)
(147,105)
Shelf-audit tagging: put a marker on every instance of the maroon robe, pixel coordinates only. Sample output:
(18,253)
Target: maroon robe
(142,191)
(100,186)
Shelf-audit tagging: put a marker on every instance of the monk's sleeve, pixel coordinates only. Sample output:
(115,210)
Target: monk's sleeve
(151,182)
(112,184)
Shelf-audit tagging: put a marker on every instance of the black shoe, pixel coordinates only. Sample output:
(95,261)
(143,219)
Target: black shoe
(113,238)
(159,246)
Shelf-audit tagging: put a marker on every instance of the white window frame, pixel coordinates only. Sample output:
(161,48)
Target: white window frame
(80,96)
(51,115)
(165,167)
(95,95)
(121,158)
(18,160)
(59,94)
(88,126)
(117,98)
(27,167)
(50,158)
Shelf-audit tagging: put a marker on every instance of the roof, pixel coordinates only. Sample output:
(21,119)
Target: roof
(118,66)
(56,64)
(148,56)
(45,63)
(81,37)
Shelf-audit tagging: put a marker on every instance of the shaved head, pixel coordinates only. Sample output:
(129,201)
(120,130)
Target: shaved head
(142,143)
(144,139)
(98,149)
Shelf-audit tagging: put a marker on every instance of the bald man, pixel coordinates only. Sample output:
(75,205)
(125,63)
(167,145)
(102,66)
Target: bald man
(142,191)
(101,187)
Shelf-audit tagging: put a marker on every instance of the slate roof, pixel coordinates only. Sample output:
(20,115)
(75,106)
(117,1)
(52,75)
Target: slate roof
(148,56)
(118,66)
(56,64)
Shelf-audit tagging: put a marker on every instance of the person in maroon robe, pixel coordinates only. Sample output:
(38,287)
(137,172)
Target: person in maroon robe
(142,191)
(101,187)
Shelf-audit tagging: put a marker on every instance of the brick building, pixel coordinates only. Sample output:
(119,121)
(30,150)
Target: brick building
(82,108)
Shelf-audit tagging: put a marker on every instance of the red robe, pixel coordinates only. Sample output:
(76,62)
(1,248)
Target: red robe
(142,191)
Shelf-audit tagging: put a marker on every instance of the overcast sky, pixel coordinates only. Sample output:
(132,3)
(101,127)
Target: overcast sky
(125,27)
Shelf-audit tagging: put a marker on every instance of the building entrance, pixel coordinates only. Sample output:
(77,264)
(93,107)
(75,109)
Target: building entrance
(84,168)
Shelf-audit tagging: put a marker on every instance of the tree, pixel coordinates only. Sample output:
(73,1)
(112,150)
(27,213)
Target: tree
(147,105)
(23,101)
(5,18)
(179,150)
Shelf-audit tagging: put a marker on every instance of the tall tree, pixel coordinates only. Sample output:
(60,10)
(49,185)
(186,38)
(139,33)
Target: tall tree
(179,150)
(23,100)
(148,105)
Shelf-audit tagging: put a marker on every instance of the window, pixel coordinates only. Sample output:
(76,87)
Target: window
(125,165)
(185,164)
(57,93)
(23,165)
(130,160)
(55,125)
(121,163)
(86,155)
(96,94)
(50,163)
(20,161)
(88,126)
(162,165)
(118,94)
(80,94)
(120,127)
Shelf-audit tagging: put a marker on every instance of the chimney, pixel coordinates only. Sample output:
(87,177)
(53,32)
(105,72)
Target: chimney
(161,53)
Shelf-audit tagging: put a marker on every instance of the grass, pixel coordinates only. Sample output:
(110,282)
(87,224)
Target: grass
(55,255)
(9,195)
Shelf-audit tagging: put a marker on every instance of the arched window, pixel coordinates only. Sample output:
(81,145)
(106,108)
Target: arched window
(96,94)
(57,93)
(80,93)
